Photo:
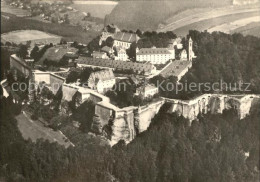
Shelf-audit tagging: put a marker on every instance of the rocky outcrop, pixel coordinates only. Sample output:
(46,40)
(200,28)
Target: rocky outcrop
(126,123)
(213,103)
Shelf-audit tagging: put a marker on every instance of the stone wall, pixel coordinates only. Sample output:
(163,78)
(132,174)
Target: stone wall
(212,103)
(128,122)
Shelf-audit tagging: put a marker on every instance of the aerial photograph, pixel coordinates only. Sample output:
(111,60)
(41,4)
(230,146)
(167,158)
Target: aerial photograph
(130,91)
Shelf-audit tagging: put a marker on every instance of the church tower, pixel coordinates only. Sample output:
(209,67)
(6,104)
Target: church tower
(32,89)
(190,51)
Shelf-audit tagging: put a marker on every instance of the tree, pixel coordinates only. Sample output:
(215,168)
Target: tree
(23,51)
(57,121)
(131,52)
(109,42)
(35,53)
(84,114)
(72,77)
(94,45)
(66,19)
(139,32)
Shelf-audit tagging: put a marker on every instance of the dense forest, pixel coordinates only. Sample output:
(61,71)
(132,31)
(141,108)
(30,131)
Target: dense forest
(232,59)
(213,148)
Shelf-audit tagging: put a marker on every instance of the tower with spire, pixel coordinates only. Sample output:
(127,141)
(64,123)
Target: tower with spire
(190,51)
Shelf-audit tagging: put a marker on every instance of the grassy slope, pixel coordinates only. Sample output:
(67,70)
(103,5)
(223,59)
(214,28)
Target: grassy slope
(146,15)
(251,29)
(99,11)
(205,24)
(70,33)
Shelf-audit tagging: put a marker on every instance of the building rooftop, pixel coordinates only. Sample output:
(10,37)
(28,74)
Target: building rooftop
(148,51)
(57,53)
(106,49)
(98,54)
(146,88)
(102,75)
(175,68)
(126,37)
(116,64)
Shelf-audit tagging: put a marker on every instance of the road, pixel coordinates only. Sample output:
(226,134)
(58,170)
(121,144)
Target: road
(36,130)
(206,16)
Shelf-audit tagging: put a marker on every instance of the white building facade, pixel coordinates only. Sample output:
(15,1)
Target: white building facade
(121,55)
(155,55)
(102,81)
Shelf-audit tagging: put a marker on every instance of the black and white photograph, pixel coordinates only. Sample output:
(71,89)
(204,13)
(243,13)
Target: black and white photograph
(130,91)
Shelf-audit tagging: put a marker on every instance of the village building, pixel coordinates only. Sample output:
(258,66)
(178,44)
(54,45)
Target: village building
(101,55)
(155,55)
(121,55)
(177,68)
(124,39)
(183,55)
(175,43)
(102,81)
(59,53)
(108,31)
(147,90)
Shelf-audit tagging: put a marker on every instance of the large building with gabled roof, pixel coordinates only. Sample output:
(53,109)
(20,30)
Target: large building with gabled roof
(102,81)
(138,68)
(155,55)
(124,39)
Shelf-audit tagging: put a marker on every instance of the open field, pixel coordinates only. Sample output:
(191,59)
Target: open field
(68,32)
(23,36)
(147,14)
(36,130)
(250,29)
(13,10)
(207,24)
(228,27)
(208,14)
(96,8)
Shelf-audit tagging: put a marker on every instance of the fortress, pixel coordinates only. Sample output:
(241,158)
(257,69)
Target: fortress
(127,122)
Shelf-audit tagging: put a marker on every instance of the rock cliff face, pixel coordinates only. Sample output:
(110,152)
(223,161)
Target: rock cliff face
(212,103)
(128,122)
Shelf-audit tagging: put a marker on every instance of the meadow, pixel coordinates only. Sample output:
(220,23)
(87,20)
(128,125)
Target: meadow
(96,9)
(68,32)
(207,24)
(250,29)
(13,10)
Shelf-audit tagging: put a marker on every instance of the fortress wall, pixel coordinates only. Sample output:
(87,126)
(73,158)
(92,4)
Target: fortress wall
(120,131)
(147,113)
(19,65)
(104,114)
(124,123)
(42,77)
(213,104)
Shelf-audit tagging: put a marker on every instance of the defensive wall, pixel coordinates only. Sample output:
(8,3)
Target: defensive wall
(128,122)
